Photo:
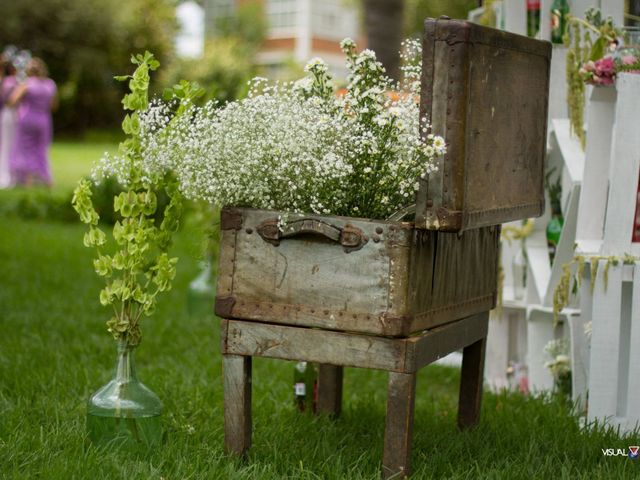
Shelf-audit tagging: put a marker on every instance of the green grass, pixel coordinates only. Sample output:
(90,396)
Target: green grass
(54,352)
(71,160)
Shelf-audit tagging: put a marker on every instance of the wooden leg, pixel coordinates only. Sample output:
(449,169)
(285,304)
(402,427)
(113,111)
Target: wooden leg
(401,393)
(329,389)
(471,384)
(237,403)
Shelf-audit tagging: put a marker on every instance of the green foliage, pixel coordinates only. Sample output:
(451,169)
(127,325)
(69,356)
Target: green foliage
(83,43)
(488,17)
(224,69)
(417,10)
(228,61)
(140,267)
(247,24)
(562,293)
(575,83)
(554,188)
(37,204)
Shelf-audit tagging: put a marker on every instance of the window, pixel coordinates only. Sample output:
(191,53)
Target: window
(333,19)
(281,14)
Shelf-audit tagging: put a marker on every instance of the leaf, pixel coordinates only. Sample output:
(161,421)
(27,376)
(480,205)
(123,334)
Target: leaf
(105,298)
(598,49)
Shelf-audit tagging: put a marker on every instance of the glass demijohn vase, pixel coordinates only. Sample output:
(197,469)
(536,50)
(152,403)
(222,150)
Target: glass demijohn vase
(124,412)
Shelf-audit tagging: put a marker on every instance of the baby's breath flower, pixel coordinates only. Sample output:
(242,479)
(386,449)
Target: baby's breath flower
(296,146)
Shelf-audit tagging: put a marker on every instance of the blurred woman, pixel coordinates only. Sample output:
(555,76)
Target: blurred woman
(7,118)
(34,100)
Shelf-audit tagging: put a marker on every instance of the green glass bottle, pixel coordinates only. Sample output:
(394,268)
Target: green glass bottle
(533,17)
(554,229)
(124,412)
(559,14)
(305,386)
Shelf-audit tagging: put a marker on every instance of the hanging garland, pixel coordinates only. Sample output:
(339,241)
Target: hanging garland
(563,291)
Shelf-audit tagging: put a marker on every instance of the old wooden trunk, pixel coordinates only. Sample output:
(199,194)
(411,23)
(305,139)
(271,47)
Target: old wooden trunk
(486,92)
(427,285)
(349,274)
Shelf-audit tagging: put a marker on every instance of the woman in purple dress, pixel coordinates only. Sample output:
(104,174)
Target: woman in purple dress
(34,99)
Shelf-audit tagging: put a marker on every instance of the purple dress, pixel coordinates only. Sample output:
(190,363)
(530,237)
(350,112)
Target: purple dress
(34,130)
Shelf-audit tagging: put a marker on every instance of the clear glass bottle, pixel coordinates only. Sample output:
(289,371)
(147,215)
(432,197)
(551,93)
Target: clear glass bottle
(124,412)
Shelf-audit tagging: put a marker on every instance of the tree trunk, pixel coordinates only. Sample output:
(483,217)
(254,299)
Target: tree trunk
(383,21)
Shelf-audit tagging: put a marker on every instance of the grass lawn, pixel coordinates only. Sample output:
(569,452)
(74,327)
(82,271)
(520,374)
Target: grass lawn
(55,351)
(71,160)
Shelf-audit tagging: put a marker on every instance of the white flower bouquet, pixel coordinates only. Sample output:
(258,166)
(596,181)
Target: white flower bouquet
(297,146)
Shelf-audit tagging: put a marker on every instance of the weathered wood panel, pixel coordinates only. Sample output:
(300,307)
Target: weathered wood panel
(401,394)
(399,282)
(314,345)
(353,350)
(330,389)
(471,379)
(486,91)
(237,403)
(441,341)
(453,275)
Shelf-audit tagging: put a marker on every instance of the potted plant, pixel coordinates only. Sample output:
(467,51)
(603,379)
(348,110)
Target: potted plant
(136,267)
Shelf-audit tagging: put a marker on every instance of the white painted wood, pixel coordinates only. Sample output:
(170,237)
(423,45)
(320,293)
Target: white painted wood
(540,331)
(506,345)
(558,85)
(545,19)
(579,359)
(539,272)
(515,14)
(605,344)
(570,150)
(497,357)
(508,250)
(633,395)
(581,351)
(613,8)
(593,198)
(579,7)
(625,164)
(564,249)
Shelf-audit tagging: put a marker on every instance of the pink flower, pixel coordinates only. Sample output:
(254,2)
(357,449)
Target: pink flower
(629,60)
(605,67)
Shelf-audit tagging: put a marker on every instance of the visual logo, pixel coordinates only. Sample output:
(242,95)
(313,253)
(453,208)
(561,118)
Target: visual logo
(633,452)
